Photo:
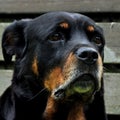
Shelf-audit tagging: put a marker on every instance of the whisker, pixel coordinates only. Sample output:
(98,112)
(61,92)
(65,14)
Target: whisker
(37,94)
(105,69)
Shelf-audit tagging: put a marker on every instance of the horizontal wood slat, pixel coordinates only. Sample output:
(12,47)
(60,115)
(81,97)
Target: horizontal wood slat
(37,6)
(112,35)
(5,79)
(112,92)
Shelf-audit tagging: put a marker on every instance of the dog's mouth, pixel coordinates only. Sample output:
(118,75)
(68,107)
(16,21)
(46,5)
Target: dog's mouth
(82,87)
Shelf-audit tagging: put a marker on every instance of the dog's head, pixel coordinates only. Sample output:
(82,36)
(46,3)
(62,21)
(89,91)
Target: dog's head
(63,51)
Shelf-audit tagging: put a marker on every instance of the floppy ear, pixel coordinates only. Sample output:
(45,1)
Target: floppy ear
(13,40)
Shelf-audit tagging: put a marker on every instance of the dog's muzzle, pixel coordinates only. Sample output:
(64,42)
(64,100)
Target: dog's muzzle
(84,81)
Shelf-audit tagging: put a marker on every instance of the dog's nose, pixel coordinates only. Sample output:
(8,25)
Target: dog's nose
(87,55)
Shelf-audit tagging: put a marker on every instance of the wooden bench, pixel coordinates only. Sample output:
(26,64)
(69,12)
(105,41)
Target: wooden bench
(108,17)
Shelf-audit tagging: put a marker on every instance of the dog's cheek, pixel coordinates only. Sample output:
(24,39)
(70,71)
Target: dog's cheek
(59,76)
(100,69)
(54,79)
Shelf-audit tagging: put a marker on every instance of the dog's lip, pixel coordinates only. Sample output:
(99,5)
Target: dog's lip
(85,79)
(83,85)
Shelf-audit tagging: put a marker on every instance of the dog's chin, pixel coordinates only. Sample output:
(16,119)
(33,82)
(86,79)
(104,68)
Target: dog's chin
(82,88)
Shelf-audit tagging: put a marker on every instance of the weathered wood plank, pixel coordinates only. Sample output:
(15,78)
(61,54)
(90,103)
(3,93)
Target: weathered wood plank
(112,92)
(112,89)
(37,6)
(5,79)
(112,35)
(2,28)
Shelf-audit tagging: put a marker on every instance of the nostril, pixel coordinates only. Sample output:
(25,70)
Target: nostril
(83,55)
(95,55)
(87,55)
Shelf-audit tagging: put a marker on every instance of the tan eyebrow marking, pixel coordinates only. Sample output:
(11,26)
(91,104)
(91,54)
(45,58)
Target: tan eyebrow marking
(90,28)
(64,25)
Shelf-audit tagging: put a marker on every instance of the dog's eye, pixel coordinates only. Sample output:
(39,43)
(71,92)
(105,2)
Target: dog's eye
(97,40)
(56,37)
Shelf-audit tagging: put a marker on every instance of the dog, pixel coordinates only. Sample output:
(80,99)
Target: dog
(58,69)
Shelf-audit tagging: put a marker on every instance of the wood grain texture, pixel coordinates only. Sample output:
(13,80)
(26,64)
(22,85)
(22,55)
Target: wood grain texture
(38,6)
(112,37)
(5,79)
(112,92)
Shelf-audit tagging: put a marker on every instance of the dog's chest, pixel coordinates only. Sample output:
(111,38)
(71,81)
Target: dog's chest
(52,111)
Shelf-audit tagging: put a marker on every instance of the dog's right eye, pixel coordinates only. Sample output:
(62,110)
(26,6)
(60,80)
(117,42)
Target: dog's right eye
(56,37)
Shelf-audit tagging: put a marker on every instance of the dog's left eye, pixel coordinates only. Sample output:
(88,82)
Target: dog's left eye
(56,37)
(97,40)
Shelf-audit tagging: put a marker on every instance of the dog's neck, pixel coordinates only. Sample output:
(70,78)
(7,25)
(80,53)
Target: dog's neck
(58,111)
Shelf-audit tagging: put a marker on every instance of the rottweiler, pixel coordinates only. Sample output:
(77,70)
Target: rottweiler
(58,69)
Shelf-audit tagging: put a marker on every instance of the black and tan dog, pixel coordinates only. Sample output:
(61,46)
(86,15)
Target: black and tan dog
(58,69)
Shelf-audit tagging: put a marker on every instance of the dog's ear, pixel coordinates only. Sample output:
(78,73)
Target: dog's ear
(13,40)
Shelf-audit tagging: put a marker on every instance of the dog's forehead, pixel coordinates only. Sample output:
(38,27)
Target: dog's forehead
(48,23)
(59,17)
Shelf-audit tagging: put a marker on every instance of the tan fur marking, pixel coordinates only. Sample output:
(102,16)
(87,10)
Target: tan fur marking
(57,76)
(69,66)
(100,69)
(35,66)
(76,113)
(90,28)
(54,79)
(64,25)
(70,60)
(51,108)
